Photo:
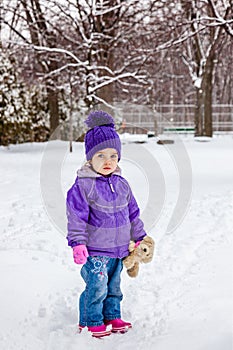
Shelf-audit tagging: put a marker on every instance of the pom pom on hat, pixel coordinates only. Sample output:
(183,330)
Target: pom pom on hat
(101,134)
(98,118)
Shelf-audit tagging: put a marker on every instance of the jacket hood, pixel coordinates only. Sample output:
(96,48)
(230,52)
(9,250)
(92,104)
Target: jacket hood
(87,171)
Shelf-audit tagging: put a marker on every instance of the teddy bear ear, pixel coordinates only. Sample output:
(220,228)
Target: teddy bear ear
(149,239)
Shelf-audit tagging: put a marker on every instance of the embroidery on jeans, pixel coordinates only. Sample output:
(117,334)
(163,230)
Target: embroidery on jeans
(100,267)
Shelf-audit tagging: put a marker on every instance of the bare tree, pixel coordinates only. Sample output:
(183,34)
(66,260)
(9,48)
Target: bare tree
(123,50)
(83,38)
(31,14)
(200,53)
(105,30)
(223,16)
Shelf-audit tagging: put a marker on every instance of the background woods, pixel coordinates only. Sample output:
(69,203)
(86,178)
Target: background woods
(60,58)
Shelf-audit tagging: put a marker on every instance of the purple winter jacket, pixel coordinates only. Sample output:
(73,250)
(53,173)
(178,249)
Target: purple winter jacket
(103,214)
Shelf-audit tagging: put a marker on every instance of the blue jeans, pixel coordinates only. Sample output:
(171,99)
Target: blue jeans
(101,299)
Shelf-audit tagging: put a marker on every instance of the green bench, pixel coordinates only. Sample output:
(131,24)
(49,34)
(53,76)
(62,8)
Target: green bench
(180,129)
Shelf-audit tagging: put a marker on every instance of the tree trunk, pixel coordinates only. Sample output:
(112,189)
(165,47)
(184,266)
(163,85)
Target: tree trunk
(38,30)
(53,109)
(208,86)
(198,115)
(104,25)
(106,93)
(52,96)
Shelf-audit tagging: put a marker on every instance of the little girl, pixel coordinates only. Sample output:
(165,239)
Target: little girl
(103,216)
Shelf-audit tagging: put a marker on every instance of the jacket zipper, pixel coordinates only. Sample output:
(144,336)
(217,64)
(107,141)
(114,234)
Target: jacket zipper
(111,185)
(114,204)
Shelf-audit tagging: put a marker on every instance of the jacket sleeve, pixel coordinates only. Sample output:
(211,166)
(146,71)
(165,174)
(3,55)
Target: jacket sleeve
(77,210)
(137,226)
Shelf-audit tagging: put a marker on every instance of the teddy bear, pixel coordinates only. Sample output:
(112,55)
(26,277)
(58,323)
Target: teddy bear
(139,253)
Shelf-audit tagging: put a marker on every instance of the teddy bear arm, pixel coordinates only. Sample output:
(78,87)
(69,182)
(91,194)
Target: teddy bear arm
(128,262)
(133,271)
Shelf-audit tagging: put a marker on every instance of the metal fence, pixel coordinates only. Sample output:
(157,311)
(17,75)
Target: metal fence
(172,118)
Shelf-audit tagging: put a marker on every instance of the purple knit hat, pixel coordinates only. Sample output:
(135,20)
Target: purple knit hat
(102,134)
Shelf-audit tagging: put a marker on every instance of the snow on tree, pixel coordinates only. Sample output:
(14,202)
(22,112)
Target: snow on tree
(200,52)
(22,108)
(88,52)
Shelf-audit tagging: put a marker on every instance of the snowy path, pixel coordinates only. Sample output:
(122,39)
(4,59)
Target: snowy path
(183,300)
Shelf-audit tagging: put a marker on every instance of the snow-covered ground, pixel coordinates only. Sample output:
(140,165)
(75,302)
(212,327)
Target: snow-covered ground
(182,300)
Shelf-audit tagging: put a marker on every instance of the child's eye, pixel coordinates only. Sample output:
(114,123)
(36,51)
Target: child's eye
(100,156)
(114,156)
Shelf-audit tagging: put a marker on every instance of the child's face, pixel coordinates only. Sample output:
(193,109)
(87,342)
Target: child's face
(105,161)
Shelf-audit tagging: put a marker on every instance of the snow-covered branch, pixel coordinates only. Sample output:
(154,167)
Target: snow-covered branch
(101,100)
(61,51)
(197,80)
(110,80)
(220,20)
(178,41)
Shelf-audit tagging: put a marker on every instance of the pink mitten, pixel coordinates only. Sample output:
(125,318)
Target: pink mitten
(80,254)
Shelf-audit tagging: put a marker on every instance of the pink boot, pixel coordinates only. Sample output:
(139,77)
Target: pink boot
(118,325)
(97,331)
